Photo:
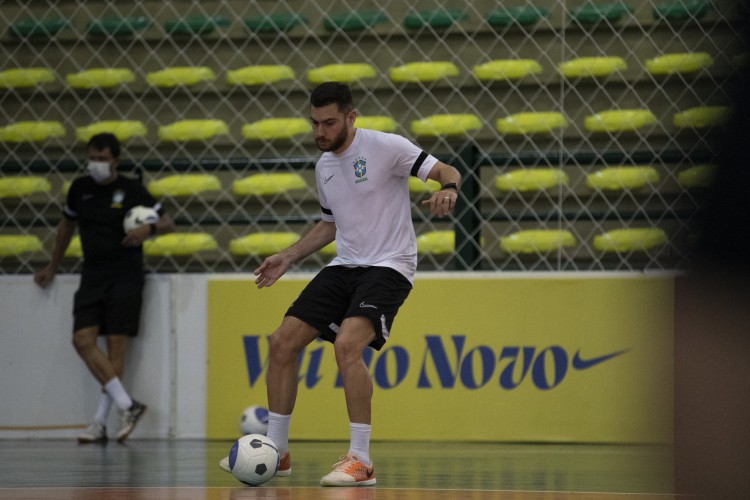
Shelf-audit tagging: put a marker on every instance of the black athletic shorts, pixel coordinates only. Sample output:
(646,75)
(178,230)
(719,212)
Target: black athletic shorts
(110,300)
(339,292)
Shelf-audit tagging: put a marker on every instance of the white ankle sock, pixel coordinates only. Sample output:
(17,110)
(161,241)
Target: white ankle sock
(115,389)
(102,411)
(278,431)
(359,445)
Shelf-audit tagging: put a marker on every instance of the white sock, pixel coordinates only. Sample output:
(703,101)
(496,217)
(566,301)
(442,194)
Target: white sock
(360,442)
(102,411)
(278,431)
(115,389)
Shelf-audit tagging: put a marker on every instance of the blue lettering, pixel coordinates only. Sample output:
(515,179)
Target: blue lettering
(446,373)
(539,372)
(506,376)
(312,377)
(401,358)
(467,367)
(252,357)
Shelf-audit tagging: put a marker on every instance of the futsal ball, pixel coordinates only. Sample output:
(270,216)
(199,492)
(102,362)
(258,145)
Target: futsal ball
(254,420)
(139,216)
(253,459)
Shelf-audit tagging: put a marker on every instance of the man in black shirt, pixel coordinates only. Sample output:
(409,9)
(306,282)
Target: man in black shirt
(108,300)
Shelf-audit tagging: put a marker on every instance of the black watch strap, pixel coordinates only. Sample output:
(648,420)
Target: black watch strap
(450,185)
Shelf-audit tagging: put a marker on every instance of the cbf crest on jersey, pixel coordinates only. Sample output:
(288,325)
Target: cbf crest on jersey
(360,169)
(117,198)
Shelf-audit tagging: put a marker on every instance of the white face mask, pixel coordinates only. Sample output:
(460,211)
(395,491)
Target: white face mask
(100,171)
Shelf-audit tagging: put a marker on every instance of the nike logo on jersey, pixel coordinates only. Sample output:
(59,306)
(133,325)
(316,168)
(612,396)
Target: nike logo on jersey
(583,364)
(363,304)
(325,181)
(86,197)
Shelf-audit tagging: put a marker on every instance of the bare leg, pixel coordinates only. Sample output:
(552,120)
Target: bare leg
(98,363)
(117,348)
(354,336)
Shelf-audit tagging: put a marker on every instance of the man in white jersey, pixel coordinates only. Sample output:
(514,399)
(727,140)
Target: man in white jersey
(362,178)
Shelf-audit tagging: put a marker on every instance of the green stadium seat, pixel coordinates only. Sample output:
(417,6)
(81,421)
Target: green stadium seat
(262,243)
(267,184)
(275,23)
(701,117)
(346,73)
(180,75)
(20,186)
(260,75)
(698,176)
(591,13)
(507,69)
(416,186)
(381,123)
(630,240)
(531,123)
(192,130)
(523,15)
(618,178)
(179,244)
(354,20)
(537,241)
(122,129)
(447,124)
(437,242)
(681,10)
(620,120)
(195,25)
(100,78)
(687,62)
(276,128)
(183,185)
(116,26)
(423,71)
(434,18)
(531,179)
(591,67)
(74,250)
(25,77)
(12,245)
(38,28)
(31,131)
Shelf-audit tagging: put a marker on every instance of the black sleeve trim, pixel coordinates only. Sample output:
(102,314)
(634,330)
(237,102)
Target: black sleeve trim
(325,210)
(420,159)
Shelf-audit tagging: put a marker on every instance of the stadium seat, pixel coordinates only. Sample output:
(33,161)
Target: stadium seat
(681,10)
(275,23)
(329,250)
(183,185)
(423,71)
(434,18)
(192,130)
(31,131)
(615,178)
(268,184)
(698,176)
(416,186)
(122,129)
(276,128)
(262,243)
(507,69)
(20,186)
(531,123)
(629,240)
(260,75)
(524,15)
(116,26)
(537,241)
(74,250)
(701,117)
(592,67)
(381,123)
(17,244)
(531,179)
(621,120)
(38,28)
(195,25)
(591,13)
(341,73)
(686,62)
(354,20)
(437,242)
(441,125)
(179,244)
(25,77)
(185,75)
(100,78)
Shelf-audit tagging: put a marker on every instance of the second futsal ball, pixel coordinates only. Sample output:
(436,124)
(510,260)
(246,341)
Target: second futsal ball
(254,420)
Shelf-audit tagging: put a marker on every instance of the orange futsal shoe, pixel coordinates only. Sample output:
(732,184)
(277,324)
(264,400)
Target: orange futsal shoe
(349,471)
(285,465)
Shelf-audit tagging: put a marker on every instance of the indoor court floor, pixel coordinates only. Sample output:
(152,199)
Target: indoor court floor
(188,469)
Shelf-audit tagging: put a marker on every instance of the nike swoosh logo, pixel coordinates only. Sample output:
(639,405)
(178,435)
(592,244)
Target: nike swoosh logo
(584,364)
(325,181)
(362,304)
(370,472)
(87,197)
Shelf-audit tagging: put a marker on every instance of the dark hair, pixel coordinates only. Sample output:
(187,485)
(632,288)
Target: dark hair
(105,140)
(332,92)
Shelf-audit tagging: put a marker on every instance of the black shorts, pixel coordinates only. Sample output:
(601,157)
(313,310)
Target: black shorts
(111,301)
(339,292)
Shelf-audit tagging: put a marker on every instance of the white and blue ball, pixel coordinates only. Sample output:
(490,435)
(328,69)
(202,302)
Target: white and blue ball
(254,420)
(253,459)
(139,216)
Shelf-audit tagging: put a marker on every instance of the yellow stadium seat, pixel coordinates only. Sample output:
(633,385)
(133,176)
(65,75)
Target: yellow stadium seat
(262,243)
(537,241)
(260,75)
(30,131)
(531,179)
(74,248)
(123,129)
(625,120)
(381,123)
(701,117)
(629,240)
(66,187)
(25,77)
(590,67)
(341,73)
(436,125)
(417,186)
(186,75)
(329,250)
(614,178)
(437,242)
(507,69)
(276,128)
(184,185)
(423,71)
(193,130)
(100,77)
(268,184)
(19,186)
(17,244)
(688,62)
(699,176)
(179,244)
(532,123)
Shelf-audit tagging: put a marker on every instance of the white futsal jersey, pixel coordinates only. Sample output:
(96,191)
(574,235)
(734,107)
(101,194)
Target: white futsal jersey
(365,192)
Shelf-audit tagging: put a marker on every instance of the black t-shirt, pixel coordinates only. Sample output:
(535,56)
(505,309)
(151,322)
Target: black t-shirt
(99,211)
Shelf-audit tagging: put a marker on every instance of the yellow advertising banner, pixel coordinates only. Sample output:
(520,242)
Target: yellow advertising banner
(568,359)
